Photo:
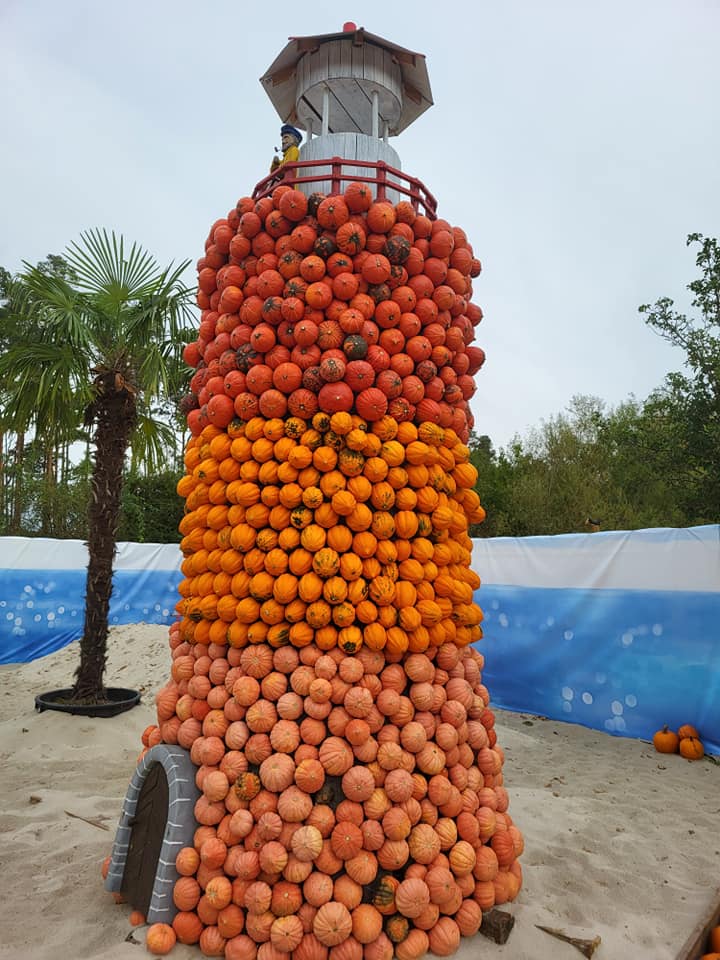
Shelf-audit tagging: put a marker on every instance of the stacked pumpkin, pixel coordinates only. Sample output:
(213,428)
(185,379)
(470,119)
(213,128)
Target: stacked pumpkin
(323,674)
(334,304)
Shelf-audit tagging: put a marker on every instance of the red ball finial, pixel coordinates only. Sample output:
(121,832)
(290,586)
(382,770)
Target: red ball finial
(349,27)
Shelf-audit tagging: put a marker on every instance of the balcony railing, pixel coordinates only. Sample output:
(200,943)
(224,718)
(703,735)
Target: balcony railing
(333,174)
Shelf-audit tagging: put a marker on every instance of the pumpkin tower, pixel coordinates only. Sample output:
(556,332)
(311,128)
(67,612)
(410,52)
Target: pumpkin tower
(324,760)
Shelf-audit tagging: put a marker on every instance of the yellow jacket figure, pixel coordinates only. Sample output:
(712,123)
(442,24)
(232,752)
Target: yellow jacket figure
(290,139)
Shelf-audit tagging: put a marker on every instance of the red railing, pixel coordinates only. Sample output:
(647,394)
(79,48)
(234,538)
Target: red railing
(330,173)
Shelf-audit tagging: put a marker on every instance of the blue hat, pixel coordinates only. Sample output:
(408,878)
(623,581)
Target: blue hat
(288,128)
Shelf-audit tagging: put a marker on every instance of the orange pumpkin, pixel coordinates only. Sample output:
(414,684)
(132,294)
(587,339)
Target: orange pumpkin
(666,741)
(691,748)
(326,562)
(444,937)
(367,923)
(412,897)
(160,939)
(687,730)
(332,923)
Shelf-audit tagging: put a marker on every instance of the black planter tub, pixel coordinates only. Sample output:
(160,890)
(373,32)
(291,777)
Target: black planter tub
(118,701)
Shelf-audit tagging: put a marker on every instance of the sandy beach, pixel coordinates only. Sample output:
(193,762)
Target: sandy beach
(620,841)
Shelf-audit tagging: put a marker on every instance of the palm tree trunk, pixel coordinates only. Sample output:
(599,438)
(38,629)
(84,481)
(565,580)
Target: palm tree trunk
(3,518)
(16,520)
(49,523)
(114,414)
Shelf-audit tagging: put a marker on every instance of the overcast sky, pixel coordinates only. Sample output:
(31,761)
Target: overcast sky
(577,144)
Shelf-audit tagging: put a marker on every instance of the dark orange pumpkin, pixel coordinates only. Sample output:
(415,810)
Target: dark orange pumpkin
(687,730)
(666,741)
(691,748)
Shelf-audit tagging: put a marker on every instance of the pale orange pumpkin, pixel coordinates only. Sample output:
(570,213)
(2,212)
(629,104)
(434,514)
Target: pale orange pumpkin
(307,843)
(412,897)
(335,756)
(362,868)
(444,937)
(366,923)
(424,843)
(294,804)
(332,923)
(286,933)
(277,772)
(415,945)
(160,939)
(318,889)
(347,891)
(257,897)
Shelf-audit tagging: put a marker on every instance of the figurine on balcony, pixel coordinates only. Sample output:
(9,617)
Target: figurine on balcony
(290,139)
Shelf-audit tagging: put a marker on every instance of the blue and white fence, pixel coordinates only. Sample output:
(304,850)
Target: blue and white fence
(42,591)
(616,631)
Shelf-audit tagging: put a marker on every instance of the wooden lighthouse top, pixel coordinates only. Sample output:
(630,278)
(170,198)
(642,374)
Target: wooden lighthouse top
(352,82)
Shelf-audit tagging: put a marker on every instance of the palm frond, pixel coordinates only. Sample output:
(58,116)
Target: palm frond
(43,387)
(153,444)
(113,309)
(162,308)
(159,320)
(103,268)
(95,264)
(54,310)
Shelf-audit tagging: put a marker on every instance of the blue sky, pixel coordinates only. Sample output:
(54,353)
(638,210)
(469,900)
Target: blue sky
(575,143)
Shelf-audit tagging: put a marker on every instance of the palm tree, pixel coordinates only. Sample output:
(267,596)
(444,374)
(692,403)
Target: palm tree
(105,343)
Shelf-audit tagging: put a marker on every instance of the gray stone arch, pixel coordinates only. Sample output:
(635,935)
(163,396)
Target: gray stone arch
(179,828)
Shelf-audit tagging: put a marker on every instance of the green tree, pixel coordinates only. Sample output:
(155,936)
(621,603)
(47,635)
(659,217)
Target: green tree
(558,474)
(495,474)
(12,441)
(106,343)
(640,454)
(689,404)
(21,488)
(151,508)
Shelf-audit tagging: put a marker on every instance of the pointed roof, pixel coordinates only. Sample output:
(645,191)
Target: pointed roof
(280,79)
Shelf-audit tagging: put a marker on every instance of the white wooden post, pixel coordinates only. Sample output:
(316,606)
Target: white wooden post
(375,116)
(326,111)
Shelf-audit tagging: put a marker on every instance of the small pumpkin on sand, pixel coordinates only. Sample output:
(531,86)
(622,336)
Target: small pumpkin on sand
(666,740)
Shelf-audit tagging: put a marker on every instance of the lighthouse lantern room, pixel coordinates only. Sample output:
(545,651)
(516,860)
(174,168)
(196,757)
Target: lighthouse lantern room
(350,91)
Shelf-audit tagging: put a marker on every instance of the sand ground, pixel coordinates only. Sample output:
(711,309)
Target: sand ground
(620,841)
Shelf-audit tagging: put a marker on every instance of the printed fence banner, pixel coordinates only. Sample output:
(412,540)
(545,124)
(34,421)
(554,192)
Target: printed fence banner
(615,631)
(42,591)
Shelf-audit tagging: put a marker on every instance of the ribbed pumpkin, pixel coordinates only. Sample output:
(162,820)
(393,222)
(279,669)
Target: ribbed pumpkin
(412,897)
(332,923)
(160,939)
